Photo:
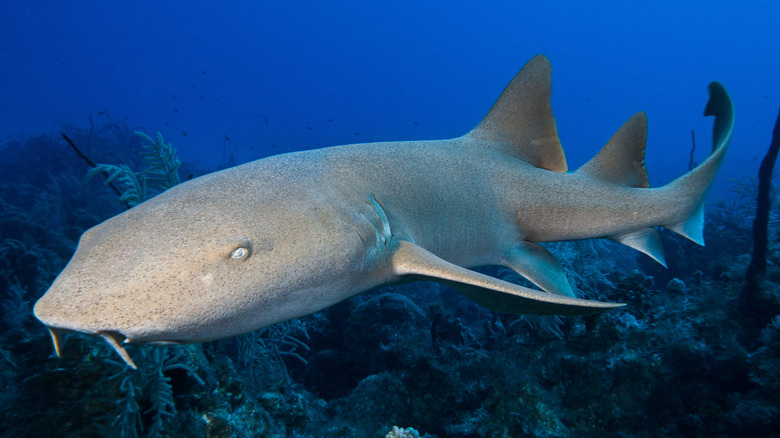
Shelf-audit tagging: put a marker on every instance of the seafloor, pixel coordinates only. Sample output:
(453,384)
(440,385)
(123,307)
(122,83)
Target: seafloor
(680,360)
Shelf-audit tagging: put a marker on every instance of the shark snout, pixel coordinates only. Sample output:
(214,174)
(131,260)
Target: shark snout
(49,311)
(59,314)
(59,317)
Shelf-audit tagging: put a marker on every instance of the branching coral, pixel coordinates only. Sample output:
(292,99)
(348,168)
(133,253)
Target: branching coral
(757,307)
(145,400)
(271,345)
(400,432)
(160,174)
(162,163)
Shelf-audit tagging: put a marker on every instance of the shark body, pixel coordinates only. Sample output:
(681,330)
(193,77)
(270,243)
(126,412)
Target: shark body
(288,235)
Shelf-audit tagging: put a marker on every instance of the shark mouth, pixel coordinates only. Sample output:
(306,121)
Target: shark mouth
(113,339)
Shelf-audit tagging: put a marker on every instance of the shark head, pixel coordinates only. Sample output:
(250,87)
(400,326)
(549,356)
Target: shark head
(198,263)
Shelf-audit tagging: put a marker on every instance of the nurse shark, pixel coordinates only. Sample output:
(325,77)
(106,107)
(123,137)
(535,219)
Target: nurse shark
(288,235)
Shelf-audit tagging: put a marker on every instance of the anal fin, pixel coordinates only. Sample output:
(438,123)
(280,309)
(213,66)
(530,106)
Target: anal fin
(646,240)
(413,262)
(692,228)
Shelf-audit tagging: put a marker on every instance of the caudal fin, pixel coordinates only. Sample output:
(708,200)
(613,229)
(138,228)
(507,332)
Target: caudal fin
(691,188)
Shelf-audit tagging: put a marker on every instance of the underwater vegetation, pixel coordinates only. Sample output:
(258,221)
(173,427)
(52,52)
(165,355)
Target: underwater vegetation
(415,360)
(160,174)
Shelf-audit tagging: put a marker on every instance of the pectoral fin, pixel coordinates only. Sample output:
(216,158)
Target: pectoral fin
(415,263)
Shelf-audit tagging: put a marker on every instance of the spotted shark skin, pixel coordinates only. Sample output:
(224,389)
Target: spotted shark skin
(285,236)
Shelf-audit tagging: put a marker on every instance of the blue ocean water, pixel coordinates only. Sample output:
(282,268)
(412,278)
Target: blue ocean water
(231,82)
(409,70)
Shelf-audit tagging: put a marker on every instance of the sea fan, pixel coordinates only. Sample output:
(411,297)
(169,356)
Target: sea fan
(161,172)
(162,163)
(144,402)
(133,190)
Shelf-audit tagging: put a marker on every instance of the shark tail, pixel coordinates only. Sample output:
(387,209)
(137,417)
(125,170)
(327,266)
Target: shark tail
(622,161)
(528,131)
(691,188)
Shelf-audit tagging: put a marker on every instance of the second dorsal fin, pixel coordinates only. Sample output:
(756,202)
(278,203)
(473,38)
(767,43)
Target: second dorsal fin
(622,159)
(521,121)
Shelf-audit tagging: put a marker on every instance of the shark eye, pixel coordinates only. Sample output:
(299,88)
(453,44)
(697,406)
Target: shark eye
(242,251)
(239,253)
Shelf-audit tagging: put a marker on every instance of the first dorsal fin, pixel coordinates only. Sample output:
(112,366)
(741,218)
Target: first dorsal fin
(622,159)
(521,121)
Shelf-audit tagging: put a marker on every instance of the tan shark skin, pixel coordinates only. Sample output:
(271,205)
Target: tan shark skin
(285,236)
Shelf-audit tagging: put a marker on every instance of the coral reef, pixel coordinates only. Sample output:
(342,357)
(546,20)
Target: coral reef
(399,432)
